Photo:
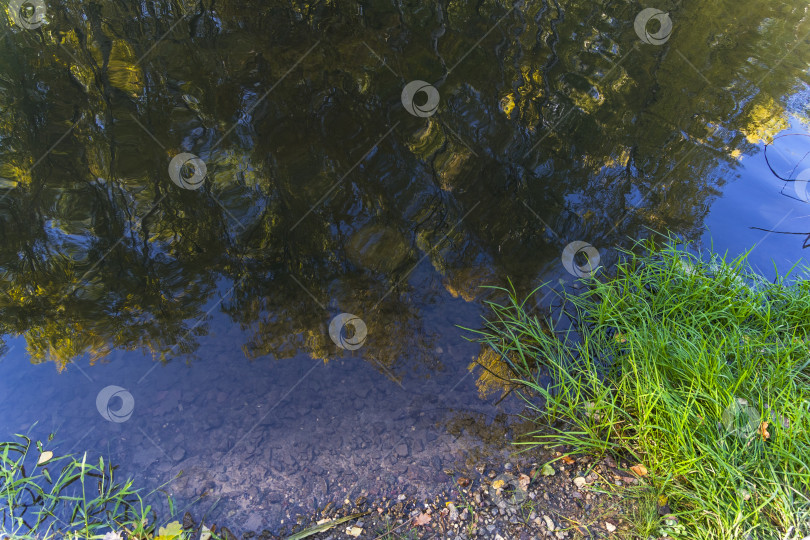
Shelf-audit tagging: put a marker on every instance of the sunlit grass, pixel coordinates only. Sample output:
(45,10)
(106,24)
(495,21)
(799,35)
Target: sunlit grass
(47,497)
(693,366)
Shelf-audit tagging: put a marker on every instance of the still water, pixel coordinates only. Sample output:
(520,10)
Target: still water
(193,191)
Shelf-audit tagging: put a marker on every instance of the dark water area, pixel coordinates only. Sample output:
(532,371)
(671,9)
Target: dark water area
(192,192)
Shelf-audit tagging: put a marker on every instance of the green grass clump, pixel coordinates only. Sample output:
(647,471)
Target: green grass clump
(698,369)
(48,497)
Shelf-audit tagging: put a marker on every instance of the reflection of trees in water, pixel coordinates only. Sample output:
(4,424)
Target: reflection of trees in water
(99,248)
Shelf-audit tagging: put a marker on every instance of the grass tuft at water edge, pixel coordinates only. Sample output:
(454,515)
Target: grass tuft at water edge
(690,365)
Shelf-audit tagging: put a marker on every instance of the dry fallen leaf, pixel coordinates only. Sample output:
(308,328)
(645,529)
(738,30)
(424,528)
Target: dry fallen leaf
(762,431)
(463,482)
(524,481)
(47,455)
(639,469)
(422,519)
(568,460)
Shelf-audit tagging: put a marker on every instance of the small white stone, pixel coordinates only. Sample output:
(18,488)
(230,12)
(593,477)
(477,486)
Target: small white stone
(610,527)
(580,481)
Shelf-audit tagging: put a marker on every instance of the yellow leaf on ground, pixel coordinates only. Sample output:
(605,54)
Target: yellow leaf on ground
(639,469)
(762,431)
(45,457)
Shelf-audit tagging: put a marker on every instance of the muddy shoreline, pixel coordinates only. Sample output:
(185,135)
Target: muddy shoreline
(512,498)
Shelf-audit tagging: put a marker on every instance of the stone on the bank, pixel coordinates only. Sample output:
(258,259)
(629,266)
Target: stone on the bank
(453,512)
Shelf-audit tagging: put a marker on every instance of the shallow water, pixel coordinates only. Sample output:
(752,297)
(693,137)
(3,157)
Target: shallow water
(208,298)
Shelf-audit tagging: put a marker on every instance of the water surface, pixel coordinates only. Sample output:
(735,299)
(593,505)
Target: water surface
(208,299)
